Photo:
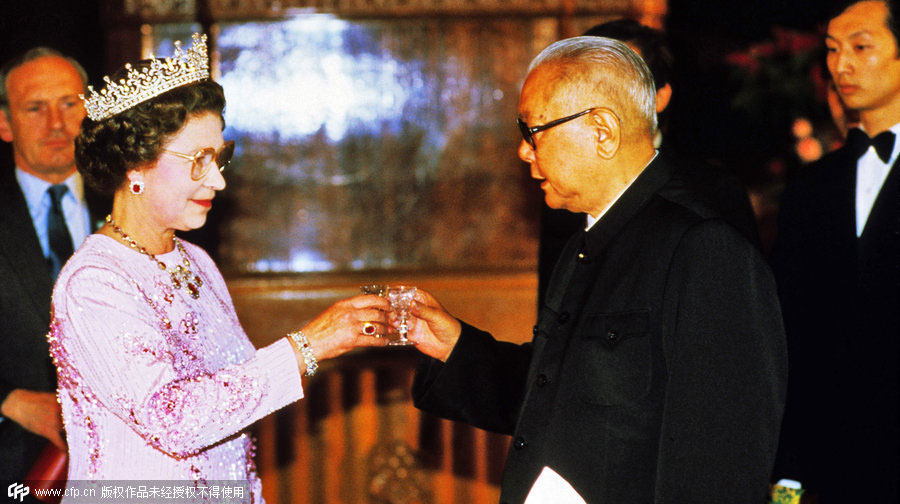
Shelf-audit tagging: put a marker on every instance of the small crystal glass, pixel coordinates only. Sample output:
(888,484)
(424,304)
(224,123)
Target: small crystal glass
(401,298)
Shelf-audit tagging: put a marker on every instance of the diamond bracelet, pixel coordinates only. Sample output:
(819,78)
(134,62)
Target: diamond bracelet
(306,350)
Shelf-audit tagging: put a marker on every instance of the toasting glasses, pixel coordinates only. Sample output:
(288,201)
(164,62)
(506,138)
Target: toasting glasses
(401,298)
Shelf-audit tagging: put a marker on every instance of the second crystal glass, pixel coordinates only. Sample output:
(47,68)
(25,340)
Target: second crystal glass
(401,298)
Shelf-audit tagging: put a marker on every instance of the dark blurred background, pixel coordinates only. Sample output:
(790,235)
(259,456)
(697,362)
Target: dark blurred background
(747,72)
(73,27)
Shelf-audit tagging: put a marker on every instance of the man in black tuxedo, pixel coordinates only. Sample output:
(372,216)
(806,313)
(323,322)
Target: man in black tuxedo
(837,262)
(657,368)
(721,189)
(45,216)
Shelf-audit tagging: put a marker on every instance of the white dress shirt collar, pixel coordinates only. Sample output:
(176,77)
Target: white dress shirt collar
(591,220)
(871,172)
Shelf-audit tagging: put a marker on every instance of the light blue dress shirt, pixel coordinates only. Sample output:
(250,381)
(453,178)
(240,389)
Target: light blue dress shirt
(78,219)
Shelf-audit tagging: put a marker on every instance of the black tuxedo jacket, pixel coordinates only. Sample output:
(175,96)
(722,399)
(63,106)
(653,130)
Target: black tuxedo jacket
(25,287)
(657,368)
(841,300)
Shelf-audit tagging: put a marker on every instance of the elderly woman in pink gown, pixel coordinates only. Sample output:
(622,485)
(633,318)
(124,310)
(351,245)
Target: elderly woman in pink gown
(157,379)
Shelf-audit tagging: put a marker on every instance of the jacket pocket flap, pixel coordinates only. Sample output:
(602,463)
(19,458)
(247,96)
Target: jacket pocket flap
(612,328)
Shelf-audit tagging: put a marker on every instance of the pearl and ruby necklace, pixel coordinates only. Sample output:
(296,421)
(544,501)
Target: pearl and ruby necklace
(180,275)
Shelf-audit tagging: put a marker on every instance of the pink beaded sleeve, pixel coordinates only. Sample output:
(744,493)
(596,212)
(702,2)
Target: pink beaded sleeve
(180,373)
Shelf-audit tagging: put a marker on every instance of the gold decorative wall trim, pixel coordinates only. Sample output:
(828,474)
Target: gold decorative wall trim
(220,10)
(154,10)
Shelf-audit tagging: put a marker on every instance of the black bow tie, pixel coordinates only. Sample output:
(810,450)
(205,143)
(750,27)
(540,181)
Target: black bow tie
(858,143)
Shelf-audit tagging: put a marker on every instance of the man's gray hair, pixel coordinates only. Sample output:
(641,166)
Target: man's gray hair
(31,55)
(608,68)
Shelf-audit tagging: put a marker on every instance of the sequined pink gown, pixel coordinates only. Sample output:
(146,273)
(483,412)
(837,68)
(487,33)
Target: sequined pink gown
(156,385)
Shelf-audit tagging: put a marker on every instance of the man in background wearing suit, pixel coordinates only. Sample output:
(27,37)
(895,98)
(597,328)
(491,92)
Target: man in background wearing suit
(837,262)
(45,215)
(657,368)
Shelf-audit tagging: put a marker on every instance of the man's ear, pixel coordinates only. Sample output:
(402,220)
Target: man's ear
(608,132)
(663,96)
(5,127)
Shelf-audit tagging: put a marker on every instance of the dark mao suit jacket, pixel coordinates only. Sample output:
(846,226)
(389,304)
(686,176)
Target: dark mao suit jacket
(841,300)
(25,287)
(657,368)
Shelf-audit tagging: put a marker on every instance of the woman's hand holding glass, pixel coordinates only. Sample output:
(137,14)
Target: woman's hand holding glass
(345,325)
(401,298)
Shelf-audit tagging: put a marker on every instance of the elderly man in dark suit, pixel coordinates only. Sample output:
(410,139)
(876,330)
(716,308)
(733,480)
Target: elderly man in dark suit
(657,368)
(837,262)
(44,216)
(721,189)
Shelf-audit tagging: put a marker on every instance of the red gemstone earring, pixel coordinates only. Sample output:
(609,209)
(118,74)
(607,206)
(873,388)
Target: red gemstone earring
(137,187)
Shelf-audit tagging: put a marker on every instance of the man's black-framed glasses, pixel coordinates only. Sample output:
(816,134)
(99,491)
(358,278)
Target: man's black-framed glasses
(205,157)
(529,131)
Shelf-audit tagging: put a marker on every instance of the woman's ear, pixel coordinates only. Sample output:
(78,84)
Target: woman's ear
(134,175)
(135,181)
(608,132)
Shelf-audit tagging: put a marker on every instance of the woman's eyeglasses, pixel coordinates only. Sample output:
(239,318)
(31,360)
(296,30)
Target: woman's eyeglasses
(205,157)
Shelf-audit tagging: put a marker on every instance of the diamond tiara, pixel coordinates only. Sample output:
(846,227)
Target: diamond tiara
(163,74)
